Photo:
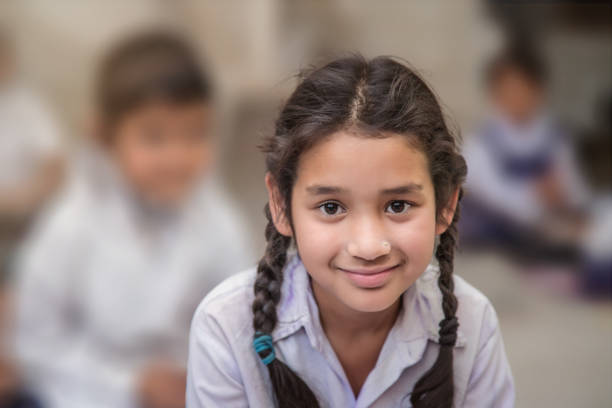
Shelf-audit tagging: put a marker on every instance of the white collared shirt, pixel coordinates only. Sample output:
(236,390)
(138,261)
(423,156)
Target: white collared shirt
(106,285)
(519,198)
(224,370)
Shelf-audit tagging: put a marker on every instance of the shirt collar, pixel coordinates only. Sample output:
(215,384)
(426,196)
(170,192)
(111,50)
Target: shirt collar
(419,317)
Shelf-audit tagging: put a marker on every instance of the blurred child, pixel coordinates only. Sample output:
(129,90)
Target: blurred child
(109,280)
(524,192)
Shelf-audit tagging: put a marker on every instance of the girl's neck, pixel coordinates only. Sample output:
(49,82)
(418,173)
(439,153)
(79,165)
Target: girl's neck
(356,337)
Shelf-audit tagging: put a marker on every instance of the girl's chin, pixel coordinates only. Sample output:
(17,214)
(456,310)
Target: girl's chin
(372,303)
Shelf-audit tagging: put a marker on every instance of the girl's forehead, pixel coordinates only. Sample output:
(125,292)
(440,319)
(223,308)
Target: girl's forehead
(357,162)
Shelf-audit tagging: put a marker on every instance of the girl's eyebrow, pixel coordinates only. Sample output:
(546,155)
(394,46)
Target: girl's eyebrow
(405,189)
(322,190)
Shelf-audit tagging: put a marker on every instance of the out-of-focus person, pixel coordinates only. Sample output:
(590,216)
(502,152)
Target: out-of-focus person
(31,168)
(525,192)
(108,282)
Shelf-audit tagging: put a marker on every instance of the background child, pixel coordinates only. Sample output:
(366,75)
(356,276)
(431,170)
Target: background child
(526,195)
(363,177)
(525,191)
(108,282)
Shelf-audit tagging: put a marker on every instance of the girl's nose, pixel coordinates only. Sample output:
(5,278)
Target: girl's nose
(368,243)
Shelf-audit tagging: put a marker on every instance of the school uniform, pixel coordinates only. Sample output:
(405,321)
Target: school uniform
(108,284)
(505,160)
(224,370)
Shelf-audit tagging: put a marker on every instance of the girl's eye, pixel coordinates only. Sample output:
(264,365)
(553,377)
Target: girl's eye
(397,207)
(331,208)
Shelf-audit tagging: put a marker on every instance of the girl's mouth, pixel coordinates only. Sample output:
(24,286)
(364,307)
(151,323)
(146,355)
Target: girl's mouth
(370,278)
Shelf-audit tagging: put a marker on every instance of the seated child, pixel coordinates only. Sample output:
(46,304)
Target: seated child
(107,284)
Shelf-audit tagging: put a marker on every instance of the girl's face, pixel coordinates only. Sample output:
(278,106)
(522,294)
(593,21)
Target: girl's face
(163,149)
(364,219)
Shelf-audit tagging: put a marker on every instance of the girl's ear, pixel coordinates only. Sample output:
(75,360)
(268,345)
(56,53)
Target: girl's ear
(448,213)
(277,207)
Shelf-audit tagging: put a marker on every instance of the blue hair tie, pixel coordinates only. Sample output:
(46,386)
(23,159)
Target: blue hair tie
(263,342)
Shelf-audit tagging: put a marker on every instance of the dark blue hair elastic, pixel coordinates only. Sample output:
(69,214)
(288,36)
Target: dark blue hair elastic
(264,342)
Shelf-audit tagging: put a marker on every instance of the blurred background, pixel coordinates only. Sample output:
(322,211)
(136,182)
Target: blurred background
(527,84)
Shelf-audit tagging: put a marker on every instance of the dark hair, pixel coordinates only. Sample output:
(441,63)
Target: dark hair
(372,98)
(518,55)
(149,66)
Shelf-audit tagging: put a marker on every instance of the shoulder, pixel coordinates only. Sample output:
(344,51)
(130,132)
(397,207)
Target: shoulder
(468,293)
(53,252)
(61,222)
(472,301)
(482,369)
(474,311)
(477,317)
(223,369)
(228,306)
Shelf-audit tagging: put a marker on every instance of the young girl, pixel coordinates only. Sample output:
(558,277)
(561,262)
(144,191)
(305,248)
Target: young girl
(344,309)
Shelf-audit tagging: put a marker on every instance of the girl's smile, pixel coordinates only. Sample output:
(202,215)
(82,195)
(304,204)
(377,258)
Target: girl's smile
(370,278)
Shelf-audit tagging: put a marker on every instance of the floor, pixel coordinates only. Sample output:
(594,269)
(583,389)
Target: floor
(559,344)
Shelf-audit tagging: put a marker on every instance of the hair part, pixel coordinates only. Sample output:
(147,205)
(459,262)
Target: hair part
(374,98)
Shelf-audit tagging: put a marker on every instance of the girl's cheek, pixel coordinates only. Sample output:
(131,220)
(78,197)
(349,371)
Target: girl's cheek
(415,239)
(317,238)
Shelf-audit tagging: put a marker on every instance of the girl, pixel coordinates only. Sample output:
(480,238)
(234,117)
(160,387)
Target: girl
(343,310)
(109,281)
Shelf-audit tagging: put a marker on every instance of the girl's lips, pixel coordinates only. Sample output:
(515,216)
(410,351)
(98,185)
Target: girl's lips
(369,278)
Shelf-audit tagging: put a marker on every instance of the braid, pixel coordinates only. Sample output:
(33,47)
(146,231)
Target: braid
(436,388)
(289,389)
(269,278)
